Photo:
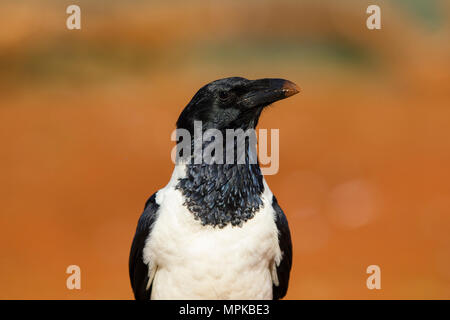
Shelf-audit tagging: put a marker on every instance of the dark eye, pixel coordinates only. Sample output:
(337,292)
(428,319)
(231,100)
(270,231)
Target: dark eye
(224,95)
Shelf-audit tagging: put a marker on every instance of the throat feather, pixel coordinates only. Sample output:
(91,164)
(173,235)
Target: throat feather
(222,194)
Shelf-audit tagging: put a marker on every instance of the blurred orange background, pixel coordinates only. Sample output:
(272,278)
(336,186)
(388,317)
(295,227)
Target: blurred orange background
(86,117)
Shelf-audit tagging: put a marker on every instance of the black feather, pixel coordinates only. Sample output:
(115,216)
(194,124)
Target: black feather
(284,239)
(138,269)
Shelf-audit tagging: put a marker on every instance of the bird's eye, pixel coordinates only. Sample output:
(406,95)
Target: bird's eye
(224,95)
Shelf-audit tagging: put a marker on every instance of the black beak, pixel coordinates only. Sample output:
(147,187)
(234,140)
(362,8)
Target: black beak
(263,92)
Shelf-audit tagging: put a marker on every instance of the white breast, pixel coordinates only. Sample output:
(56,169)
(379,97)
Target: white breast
(202,262)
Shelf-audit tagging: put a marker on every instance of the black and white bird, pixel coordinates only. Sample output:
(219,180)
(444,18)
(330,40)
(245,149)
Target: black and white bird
(216,231)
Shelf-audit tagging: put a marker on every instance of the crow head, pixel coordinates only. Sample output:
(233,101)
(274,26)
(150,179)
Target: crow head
(233,103)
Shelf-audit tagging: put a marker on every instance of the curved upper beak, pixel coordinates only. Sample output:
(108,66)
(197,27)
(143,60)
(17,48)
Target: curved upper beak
(262,92)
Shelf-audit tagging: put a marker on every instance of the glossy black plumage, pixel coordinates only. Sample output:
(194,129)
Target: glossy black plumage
(284,238)
(222,194)
(139,274)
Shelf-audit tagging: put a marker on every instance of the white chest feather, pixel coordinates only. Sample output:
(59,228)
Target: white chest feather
(191,261)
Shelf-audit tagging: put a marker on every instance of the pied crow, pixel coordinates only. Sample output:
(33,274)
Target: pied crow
(216,231)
